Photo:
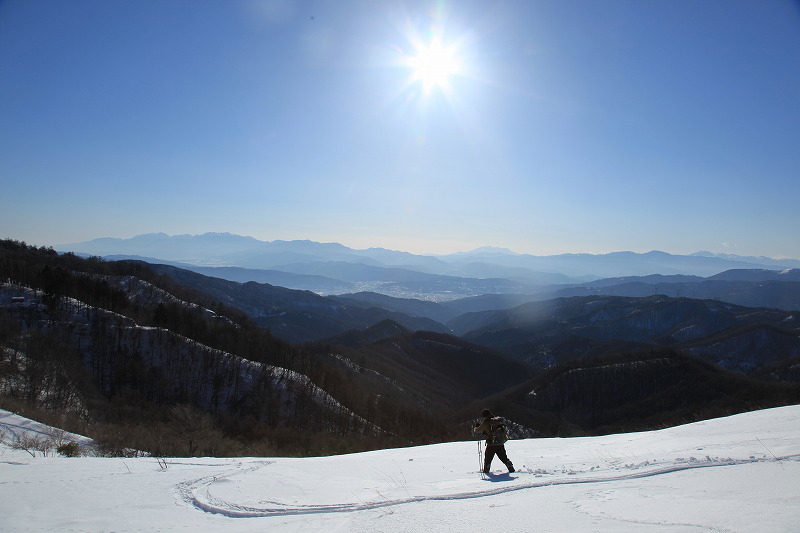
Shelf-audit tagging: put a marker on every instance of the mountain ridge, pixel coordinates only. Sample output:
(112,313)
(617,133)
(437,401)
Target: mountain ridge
(603,264)
(155,347)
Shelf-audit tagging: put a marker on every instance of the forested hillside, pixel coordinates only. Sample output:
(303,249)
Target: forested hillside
(171,362)
(637,390)
(548,333)
(129,355)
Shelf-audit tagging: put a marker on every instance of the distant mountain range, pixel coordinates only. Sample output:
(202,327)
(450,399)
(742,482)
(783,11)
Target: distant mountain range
(295,316)
(487,278)
(648,357)
(298,364)
(541,332)
(332,268)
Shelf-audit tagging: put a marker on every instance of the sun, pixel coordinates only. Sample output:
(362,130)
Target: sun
(434,65)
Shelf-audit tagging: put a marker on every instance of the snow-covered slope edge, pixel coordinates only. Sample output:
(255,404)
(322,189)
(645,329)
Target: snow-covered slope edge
(24,434)
(737,440)
(730,474)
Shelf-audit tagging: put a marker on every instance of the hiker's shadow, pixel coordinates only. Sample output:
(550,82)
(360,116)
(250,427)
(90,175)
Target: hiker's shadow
(496,478)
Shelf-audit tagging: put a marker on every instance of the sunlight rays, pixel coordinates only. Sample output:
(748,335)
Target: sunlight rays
(434,54)
(434,65)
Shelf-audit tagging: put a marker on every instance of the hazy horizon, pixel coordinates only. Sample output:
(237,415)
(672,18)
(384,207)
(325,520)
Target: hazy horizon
(428,127)
(433,252)
(485,248)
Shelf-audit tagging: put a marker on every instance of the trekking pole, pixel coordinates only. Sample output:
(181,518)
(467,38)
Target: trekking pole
(480,459)
(480,454)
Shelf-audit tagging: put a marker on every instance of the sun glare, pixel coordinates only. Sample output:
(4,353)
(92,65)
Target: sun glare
(434,65)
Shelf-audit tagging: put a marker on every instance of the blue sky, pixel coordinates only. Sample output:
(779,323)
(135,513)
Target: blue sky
(568,126)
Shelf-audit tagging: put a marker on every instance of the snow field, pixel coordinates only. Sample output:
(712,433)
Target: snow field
(740,473)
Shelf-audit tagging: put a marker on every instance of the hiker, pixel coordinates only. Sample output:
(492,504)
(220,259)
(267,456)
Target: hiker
(494,429)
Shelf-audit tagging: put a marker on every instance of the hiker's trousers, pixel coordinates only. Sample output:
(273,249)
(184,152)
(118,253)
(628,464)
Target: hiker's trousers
(491,451)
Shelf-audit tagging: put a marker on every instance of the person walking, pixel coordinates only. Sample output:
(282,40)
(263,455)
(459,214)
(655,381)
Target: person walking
(493,427)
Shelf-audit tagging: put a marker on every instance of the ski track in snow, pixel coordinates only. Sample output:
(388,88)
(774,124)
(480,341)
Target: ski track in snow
(196,494)
(190,492)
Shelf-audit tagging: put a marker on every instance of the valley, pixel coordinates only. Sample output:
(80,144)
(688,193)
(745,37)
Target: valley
(133,349)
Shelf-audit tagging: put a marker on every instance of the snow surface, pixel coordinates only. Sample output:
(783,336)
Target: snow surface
(740,473)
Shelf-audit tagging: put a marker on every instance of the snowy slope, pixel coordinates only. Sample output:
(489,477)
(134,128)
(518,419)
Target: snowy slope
(740,473)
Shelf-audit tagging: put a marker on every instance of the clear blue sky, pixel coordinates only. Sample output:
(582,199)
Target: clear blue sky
(563,126)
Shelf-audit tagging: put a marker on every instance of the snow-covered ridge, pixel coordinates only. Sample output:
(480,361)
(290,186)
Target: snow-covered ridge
(146,294)
(182,360)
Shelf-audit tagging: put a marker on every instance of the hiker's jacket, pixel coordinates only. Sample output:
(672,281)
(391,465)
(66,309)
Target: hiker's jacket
(485,428)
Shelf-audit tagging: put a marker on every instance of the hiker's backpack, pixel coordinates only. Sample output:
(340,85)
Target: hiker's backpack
(497,431)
